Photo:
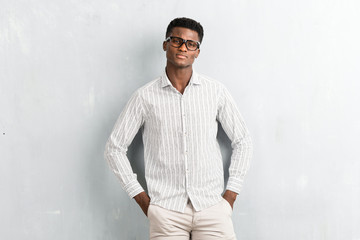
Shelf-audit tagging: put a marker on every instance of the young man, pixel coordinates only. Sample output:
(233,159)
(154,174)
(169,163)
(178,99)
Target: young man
(179,113)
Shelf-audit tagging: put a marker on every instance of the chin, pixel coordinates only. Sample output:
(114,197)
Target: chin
(184,66)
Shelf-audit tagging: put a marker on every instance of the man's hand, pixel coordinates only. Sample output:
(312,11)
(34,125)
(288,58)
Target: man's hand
(143,200)
(230,196)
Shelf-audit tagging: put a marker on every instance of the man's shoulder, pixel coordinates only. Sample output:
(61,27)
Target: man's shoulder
(155,83)
(210,81)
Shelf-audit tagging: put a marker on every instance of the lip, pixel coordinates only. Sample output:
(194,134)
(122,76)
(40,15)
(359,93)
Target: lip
(181,56)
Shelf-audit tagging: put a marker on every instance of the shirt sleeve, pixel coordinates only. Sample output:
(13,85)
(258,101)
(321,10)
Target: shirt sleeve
(234,126)
(125,129)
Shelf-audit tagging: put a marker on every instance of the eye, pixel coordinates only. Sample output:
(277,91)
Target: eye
(176,40)
(192,44)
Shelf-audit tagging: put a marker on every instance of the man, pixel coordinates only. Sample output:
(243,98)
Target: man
(179,114)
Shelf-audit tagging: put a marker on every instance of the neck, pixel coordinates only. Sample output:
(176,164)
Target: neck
(179,77)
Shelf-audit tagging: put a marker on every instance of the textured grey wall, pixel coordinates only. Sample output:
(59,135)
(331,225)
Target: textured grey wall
(68,67)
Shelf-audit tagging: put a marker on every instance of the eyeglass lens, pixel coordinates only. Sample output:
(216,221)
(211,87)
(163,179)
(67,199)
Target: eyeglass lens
(177,42)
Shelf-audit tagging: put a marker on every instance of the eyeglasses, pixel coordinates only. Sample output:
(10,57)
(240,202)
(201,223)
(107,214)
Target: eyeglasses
(178,42)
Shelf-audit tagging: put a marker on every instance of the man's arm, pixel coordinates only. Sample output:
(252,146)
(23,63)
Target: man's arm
(143,200)
(230,196)
(125,129)
(235,128)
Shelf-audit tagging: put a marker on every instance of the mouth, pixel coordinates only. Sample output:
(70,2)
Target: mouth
(181,56)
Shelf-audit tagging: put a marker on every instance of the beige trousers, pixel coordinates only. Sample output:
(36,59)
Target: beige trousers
(211,223)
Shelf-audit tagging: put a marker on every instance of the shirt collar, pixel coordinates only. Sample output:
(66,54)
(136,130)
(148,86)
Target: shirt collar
(195,79)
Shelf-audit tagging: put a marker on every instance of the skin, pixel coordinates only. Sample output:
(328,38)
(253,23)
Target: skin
(180,60)
(179,70)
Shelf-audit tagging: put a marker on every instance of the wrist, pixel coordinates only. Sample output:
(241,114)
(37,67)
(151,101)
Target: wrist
(230,195)
(141,197)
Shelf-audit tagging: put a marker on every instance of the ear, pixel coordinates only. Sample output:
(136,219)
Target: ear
(197,53)
(164,45)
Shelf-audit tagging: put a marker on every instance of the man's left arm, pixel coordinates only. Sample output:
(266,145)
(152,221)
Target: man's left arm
(234,126)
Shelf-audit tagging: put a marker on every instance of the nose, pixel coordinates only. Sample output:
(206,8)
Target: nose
(183,47)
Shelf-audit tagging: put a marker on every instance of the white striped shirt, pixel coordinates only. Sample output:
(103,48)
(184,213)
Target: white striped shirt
(181,153)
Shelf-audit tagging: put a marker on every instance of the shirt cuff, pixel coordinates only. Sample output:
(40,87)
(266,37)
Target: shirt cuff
(133,188)
(234,184)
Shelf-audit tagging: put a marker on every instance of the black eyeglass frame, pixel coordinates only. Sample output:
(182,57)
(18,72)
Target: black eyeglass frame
(184,41)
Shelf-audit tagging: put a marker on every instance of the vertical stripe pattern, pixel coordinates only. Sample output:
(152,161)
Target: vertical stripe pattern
(182,156)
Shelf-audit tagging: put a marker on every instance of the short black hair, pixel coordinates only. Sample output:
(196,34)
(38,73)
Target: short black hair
(186,23)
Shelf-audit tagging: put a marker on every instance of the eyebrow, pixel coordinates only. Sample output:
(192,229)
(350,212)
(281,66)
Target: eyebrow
(184,38)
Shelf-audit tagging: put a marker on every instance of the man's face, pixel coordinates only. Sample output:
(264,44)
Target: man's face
(181,57)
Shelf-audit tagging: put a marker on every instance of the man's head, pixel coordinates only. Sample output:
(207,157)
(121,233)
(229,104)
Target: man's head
(186,23)
(183,38)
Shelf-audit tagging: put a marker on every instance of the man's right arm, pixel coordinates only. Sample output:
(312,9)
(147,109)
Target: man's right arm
(144,201)
(125,129)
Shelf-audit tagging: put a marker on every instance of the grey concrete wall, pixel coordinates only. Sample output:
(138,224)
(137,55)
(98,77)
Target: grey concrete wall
(68,67)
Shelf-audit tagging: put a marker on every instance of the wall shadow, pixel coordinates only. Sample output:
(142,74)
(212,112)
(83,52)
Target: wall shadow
(136,157)
(226,150)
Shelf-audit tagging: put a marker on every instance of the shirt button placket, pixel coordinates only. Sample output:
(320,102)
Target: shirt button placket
(184,142)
